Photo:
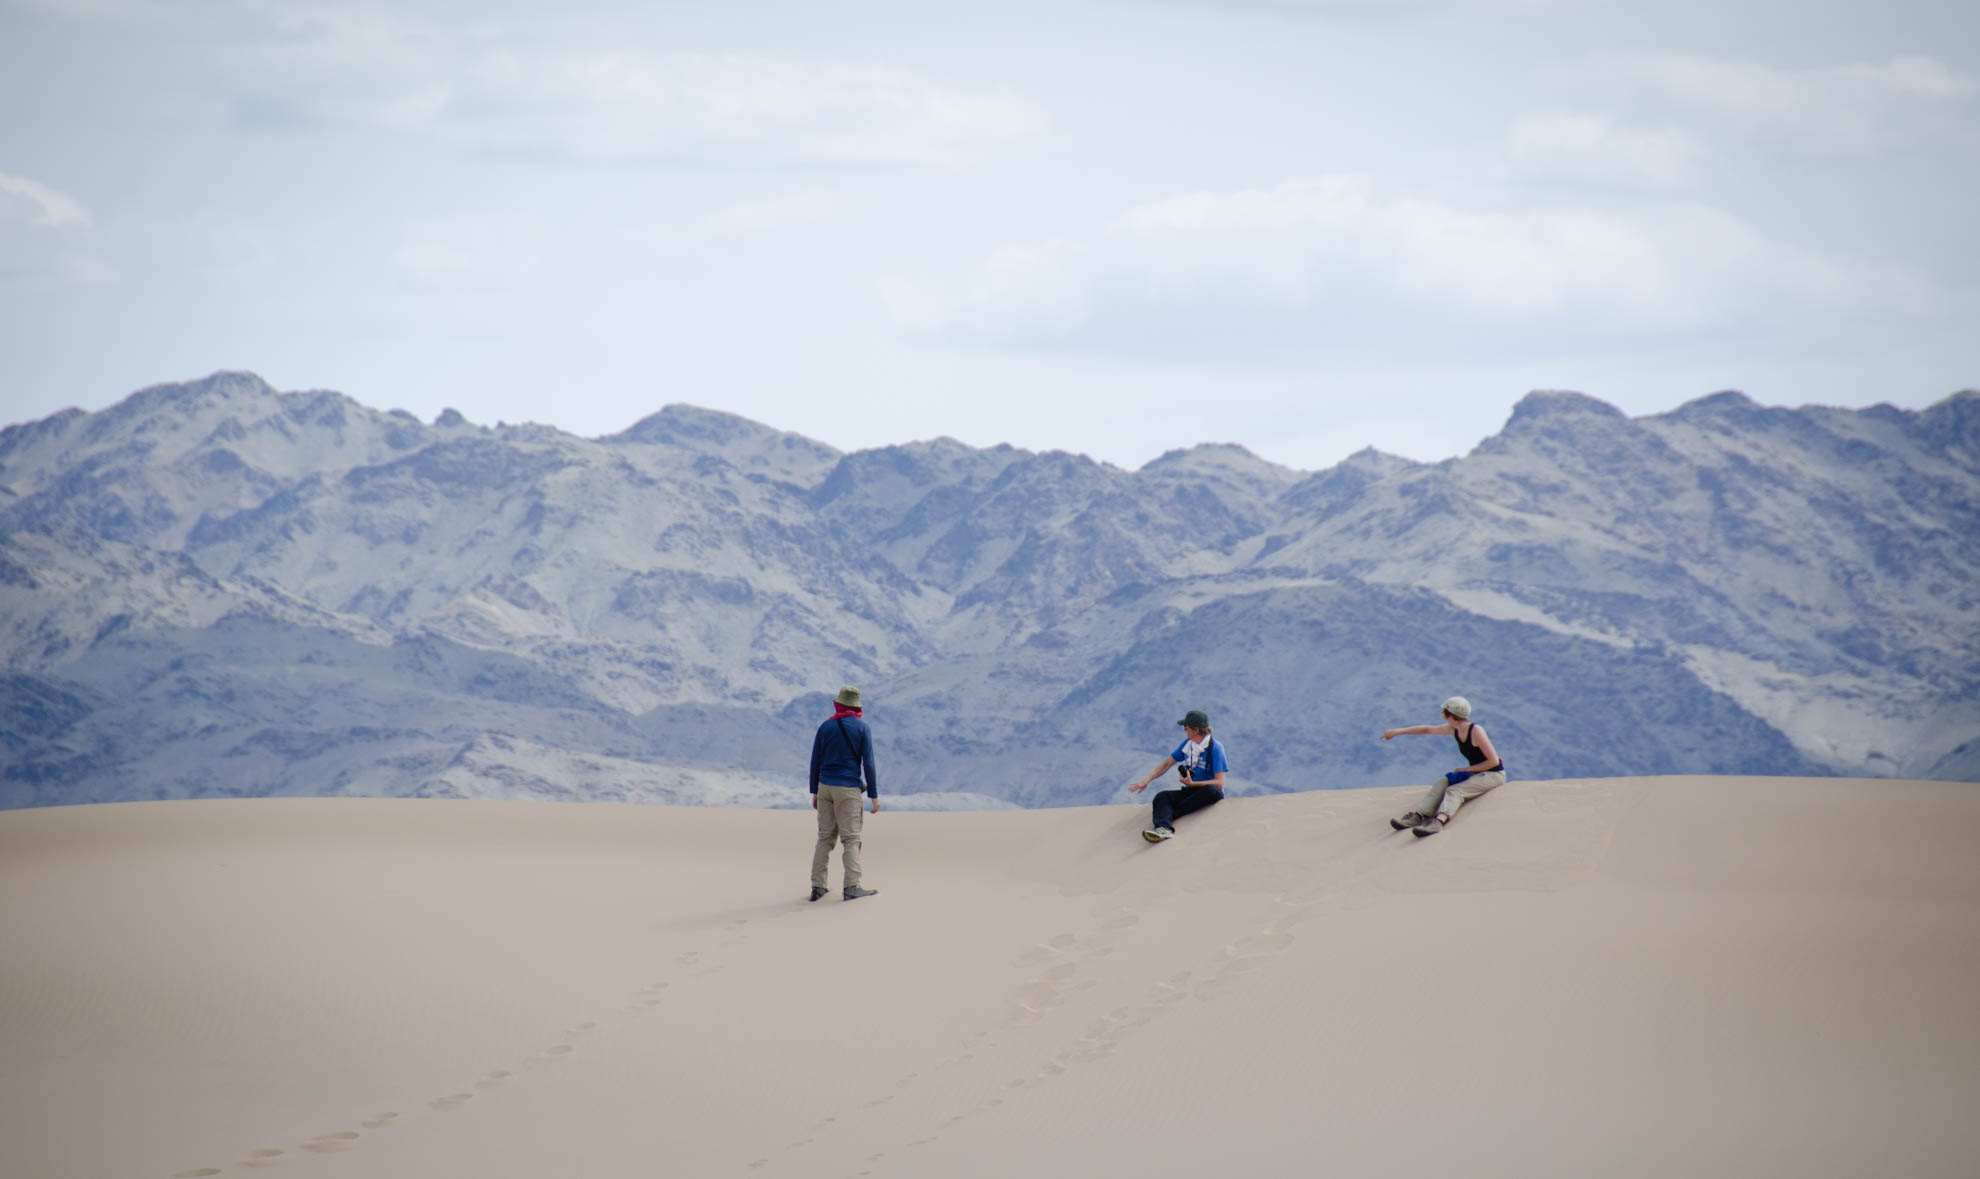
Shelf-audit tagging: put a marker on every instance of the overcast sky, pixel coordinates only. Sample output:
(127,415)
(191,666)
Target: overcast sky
(1107,226)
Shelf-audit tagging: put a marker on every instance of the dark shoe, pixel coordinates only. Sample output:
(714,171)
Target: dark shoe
(1430,826)
(1409,819)
(816,892)
(856,892)
(1158,834)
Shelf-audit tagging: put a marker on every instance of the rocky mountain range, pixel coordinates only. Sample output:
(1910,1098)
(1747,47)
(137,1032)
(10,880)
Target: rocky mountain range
(215,588)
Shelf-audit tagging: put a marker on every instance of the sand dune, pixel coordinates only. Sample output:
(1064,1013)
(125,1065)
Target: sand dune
(1648,977)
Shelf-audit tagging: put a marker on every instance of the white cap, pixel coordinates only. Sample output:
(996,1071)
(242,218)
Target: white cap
(1458,707)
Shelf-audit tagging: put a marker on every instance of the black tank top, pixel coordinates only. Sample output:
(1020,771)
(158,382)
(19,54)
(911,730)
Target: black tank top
(1473,755)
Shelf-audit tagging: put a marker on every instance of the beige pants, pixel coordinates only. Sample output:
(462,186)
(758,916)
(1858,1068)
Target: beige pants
(1446,800)
(840,817)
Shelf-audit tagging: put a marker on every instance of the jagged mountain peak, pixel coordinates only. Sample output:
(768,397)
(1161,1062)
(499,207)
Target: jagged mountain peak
(1954,424)
(1377,462)
(1543,407)
(1328,490)
(1563,426)
(177,409)
(227,394)
(945,446)
(1068,461)
(148,469)
(1724,401)
(746,444)
(53,421)
(225,385)
(1227,460)
(18,442)
(160,420)
(885,482)
(224,402)
(932,452)
(695,428)
(1203,452)
(1727,408)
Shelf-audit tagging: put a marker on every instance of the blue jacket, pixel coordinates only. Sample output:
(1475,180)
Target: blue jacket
(840,751)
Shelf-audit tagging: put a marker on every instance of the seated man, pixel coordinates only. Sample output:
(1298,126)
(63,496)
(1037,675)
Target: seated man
(1201,765)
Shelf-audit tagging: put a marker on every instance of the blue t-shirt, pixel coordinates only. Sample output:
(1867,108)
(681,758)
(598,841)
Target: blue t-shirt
(1208,764)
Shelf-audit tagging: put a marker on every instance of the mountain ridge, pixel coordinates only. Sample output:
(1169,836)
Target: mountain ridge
(1794,587)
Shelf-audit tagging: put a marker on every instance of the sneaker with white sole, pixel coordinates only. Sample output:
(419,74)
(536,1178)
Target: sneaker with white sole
(1158,834)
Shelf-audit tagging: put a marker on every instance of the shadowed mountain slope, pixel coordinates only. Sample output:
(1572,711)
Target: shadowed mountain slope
(1725,587)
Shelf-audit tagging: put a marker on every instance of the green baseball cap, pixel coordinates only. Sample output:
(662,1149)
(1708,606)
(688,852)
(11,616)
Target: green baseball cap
(1194,719)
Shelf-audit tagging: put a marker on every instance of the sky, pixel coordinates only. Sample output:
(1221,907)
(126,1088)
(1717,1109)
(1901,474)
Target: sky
(1113,227)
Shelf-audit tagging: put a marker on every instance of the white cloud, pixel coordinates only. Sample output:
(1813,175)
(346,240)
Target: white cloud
(506,89)
(634,105)
(44,238)
(36,204)
(1856,107)
(1588,147)
(1919,76)
(1340,241)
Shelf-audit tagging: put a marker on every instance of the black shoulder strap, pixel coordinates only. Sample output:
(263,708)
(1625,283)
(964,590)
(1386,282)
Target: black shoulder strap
(856,750)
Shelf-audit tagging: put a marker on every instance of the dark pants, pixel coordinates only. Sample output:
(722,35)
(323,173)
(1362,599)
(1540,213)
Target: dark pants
(1171,805)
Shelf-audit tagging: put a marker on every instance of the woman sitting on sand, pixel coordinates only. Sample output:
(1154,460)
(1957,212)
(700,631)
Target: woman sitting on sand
(1482,770)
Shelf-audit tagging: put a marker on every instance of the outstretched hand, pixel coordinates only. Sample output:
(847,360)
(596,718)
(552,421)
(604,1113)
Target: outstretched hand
(1389,733)
(1137,787)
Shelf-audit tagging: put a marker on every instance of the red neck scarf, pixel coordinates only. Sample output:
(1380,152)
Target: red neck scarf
(839,710)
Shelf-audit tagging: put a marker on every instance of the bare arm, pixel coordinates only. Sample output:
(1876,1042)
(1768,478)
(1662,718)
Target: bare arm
(1417,731)
(1158,771)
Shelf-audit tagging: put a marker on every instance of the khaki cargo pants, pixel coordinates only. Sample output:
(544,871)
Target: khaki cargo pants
(841,817)
(1447,799)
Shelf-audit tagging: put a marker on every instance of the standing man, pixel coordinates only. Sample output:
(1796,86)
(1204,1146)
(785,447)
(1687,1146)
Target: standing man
(841,754)
(1482,770)
(1202,767)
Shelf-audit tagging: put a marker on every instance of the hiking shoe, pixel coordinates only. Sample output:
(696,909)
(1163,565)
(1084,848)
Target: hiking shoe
(854,892)
(1157,834)
(817,891)
(1409,819)
(1429,827)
